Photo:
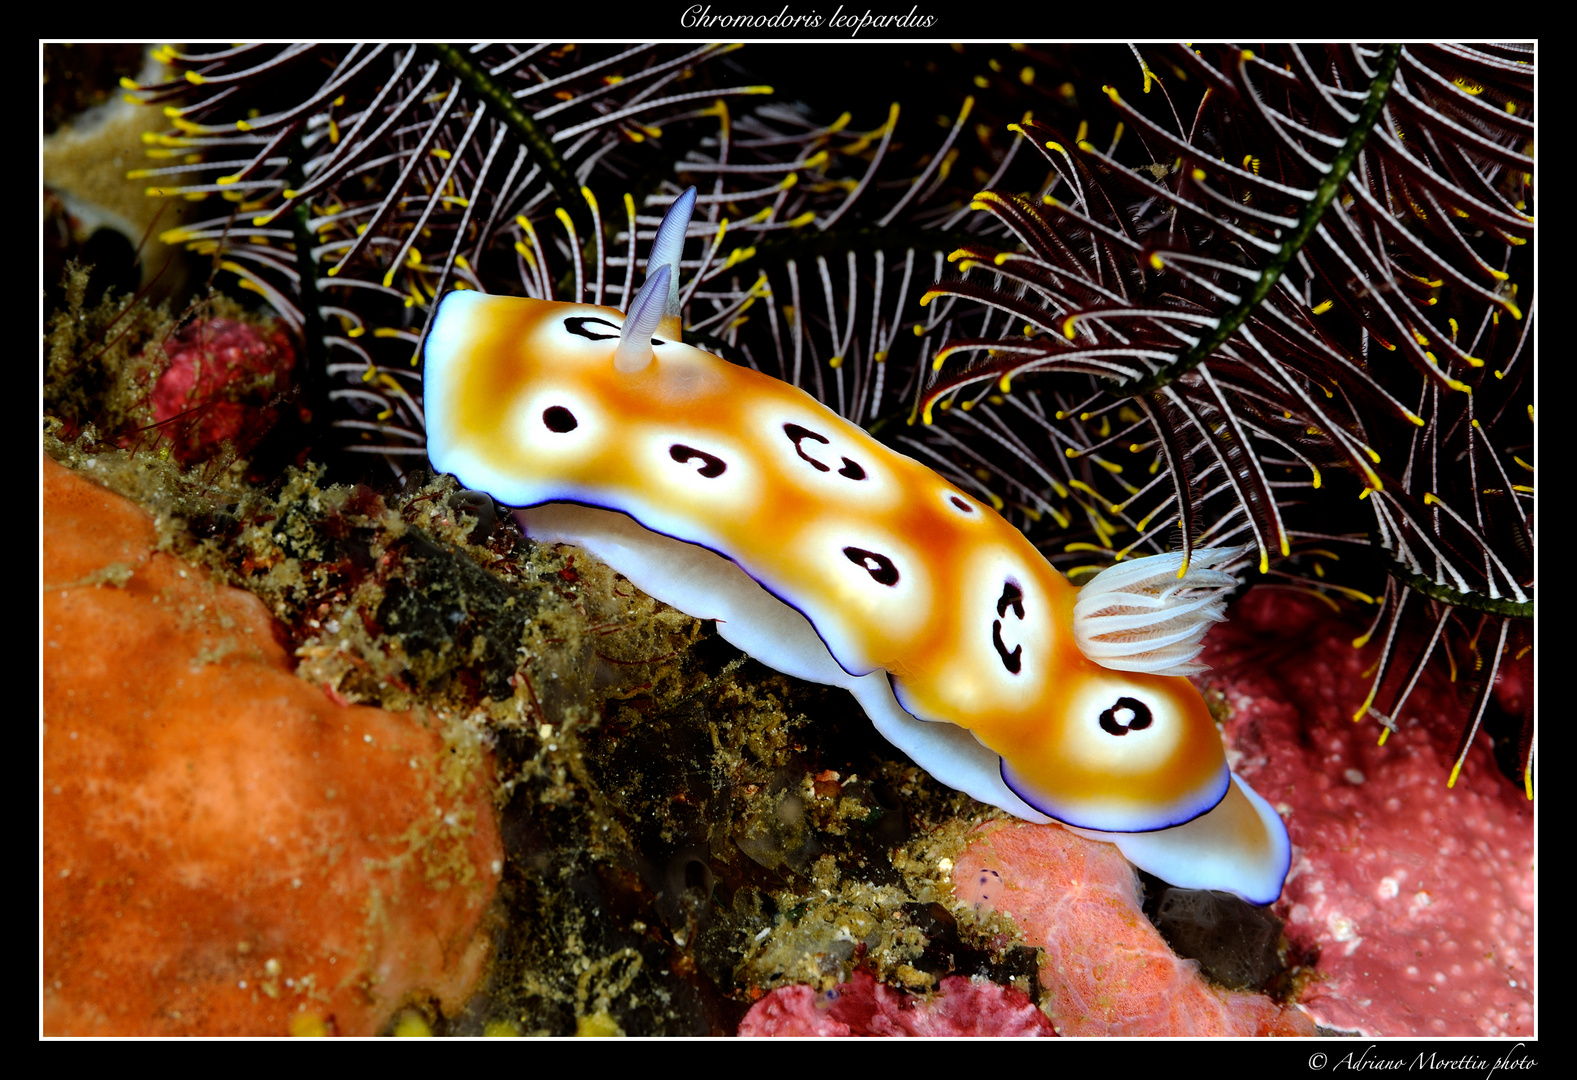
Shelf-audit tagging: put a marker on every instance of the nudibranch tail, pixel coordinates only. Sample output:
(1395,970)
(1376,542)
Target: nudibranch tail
(634,351)
(1240,847)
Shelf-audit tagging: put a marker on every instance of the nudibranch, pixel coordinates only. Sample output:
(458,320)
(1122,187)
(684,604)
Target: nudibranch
(828,556)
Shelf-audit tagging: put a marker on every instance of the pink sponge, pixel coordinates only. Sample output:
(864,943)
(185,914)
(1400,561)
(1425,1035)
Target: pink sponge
(1107,970)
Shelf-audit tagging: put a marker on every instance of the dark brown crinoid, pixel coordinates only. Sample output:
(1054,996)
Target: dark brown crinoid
(1291,310)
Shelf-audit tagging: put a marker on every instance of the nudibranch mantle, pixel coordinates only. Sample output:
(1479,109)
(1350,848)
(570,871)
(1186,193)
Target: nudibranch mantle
(825,554)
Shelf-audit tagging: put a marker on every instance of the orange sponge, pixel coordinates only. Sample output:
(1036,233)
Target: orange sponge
(225,850)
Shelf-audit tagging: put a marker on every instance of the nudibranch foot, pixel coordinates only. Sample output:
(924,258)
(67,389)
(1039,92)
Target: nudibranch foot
(704,584)
(696,581)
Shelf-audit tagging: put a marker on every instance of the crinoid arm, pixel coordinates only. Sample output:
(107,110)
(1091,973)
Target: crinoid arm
(1151,614)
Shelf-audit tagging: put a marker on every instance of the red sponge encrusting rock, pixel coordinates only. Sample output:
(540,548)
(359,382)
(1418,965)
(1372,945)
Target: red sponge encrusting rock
(1417,899)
